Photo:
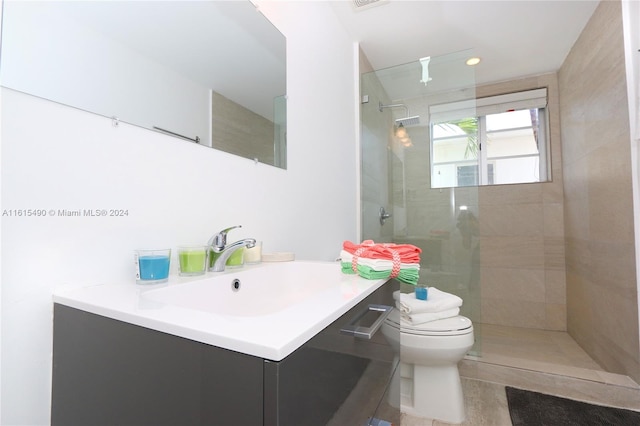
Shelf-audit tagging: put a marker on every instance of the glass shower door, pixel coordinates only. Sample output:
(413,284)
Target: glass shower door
(396,173)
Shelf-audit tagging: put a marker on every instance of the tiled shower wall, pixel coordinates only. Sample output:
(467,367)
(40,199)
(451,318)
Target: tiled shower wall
(522,275)
(522,269)
(601,272)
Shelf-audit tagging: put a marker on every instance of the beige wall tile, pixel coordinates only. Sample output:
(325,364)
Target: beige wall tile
(511,220)
(576,213)
(513,284)
(552,192)
(516,313)
(602,312)
(610,202)
(555,287)
(529,193)
(612,265)
(556,317)
(554,253)
(553,219)
(525,252)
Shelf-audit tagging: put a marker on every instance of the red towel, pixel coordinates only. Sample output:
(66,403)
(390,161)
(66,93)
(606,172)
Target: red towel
(368,249)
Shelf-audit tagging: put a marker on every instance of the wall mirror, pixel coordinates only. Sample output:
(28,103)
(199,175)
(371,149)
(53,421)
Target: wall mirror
(211,72)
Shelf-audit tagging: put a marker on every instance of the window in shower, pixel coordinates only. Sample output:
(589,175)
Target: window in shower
(490,141)
(468,175)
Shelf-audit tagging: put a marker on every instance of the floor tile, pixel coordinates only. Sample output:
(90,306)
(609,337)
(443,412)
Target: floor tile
(550,362)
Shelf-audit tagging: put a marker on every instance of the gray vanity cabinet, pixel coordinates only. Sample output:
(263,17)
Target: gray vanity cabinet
(108,372)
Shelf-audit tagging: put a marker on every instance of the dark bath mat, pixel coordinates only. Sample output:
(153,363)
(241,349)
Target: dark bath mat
(537,409)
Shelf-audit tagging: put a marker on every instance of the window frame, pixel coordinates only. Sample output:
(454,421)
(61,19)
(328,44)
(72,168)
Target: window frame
(480,108)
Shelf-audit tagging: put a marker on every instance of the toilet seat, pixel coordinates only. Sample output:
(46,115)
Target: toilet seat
(443,327)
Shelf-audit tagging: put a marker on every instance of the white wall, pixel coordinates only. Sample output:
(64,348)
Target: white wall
(55,157)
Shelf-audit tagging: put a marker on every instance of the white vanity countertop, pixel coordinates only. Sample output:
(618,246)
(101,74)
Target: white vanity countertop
(273,336)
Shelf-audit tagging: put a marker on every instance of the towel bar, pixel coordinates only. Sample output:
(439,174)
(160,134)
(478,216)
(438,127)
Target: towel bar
(196,139)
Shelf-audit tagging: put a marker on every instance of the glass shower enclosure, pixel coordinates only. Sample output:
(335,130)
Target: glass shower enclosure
(400,200)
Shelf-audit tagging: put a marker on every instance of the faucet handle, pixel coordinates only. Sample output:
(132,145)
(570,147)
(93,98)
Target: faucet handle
(219,240)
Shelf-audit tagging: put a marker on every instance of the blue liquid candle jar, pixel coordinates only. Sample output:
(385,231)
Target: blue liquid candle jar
(152,266)
(421,292)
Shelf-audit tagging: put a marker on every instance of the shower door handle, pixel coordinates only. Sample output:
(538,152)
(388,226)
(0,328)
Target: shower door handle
(383,216)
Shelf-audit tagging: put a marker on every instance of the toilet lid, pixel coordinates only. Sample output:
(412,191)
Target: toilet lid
(445,326)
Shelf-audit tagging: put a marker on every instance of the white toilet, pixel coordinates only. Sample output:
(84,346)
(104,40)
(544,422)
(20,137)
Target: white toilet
(427,378)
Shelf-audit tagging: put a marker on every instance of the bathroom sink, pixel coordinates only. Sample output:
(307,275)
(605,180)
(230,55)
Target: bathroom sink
(255,291)
(266,310)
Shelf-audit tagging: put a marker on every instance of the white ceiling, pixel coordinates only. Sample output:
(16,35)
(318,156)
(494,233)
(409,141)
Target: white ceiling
(513,38)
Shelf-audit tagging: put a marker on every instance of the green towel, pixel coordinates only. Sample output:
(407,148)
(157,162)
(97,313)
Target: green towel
(406,275)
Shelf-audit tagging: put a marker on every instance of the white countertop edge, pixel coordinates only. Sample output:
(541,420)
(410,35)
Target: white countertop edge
(195,326)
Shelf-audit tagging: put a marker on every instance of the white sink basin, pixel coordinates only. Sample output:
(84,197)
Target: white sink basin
(258,291)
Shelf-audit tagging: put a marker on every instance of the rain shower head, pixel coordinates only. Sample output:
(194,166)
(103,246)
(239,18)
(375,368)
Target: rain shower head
(405,121)
(408,121)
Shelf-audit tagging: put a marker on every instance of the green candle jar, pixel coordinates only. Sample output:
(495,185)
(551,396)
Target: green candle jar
(193,260)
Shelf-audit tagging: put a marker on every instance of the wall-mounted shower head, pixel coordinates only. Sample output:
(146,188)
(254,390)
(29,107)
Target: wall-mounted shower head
(408,121)
(405,121)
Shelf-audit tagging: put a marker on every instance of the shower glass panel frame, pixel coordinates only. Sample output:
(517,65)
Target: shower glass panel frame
(396,175)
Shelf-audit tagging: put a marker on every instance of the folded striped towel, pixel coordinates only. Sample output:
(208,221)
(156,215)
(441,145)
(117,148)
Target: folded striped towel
(409,275)
(437,301)
(374,269)
(375,264)
(382,260)
(425,317)
(407,253)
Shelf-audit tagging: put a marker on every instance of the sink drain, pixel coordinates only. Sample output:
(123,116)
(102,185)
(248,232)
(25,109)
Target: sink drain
(235,284)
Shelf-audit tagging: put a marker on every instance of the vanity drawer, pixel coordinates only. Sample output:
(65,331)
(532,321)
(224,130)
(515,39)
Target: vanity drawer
(335,379)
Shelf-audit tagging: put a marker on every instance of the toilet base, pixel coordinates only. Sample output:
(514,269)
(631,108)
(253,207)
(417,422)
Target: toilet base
(432,392)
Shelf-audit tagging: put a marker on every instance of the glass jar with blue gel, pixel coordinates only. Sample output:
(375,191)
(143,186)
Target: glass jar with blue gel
(152,266)
(421,291)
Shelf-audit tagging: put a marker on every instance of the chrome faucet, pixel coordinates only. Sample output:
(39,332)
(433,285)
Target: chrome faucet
(221,252)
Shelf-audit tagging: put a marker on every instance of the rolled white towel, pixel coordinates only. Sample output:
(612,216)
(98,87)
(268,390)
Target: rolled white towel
(416,319)
(437,301)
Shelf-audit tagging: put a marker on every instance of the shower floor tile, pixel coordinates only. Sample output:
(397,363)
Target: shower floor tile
(525,347)
(545,361)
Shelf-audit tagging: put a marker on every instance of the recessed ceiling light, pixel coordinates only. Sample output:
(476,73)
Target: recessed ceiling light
(473,61)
